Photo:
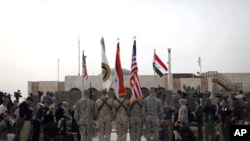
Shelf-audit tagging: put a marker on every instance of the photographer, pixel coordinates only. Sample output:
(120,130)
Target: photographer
(17,95)
(38,117)
(23,119)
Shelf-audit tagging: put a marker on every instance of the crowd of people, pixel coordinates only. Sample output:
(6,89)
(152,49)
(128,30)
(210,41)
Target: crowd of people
(28,122)
(210,119)
(150,117)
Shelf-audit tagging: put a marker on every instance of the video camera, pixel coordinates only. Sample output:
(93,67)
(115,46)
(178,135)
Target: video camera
(17,95)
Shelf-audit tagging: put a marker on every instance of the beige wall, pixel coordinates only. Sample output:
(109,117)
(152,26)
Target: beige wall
(146,81)
(243,78)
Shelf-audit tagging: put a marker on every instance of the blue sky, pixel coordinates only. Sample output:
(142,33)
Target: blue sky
(34,34)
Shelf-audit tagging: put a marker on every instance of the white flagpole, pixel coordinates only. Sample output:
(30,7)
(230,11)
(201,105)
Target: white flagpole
(199,61)
(78,55)
(170,82)
(58,61)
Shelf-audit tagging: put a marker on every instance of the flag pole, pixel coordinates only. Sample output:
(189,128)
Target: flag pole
(170,83)
(82,71)
(199,61)
(58,61)
(78,55)
(154,71)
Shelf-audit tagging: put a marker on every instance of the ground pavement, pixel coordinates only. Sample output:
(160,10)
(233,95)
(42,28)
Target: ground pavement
(113,137)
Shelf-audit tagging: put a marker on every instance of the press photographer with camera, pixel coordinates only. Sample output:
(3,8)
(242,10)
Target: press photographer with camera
(17,95)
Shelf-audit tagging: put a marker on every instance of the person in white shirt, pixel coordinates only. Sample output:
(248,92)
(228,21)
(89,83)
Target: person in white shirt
(3,108)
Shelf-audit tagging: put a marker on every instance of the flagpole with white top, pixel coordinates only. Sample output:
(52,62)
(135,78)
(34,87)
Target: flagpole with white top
(199,62)
(170,82)
(78,55)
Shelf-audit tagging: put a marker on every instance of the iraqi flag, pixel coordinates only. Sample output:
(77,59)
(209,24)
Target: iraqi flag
(159,67)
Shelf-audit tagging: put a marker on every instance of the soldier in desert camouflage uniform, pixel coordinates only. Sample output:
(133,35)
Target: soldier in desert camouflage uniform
(135,120)
(120,111)
(84,116)
(103,108)
(152,112)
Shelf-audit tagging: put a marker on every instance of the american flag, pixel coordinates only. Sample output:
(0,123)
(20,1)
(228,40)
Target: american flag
(134,79)
(84,67)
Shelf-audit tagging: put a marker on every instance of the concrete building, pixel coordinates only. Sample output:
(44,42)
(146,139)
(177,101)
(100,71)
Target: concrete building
(212,81)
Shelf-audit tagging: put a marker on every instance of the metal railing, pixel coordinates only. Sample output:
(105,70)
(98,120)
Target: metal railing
(223,81)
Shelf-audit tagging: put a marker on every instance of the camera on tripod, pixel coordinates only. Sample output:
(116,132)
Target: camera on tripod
(17,95)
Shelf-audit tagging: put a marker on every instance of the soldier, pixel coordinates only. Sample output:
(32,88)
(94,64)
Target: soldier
(103,108)
(120,111)
(135,120)
(84,116)
(152,112)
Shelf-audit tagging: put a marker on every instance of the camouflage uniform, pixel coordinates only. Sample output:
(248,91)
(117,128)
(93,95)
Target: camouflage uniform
(120,112)
(84,116)
(152,112)
(103,108)
(135,121)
